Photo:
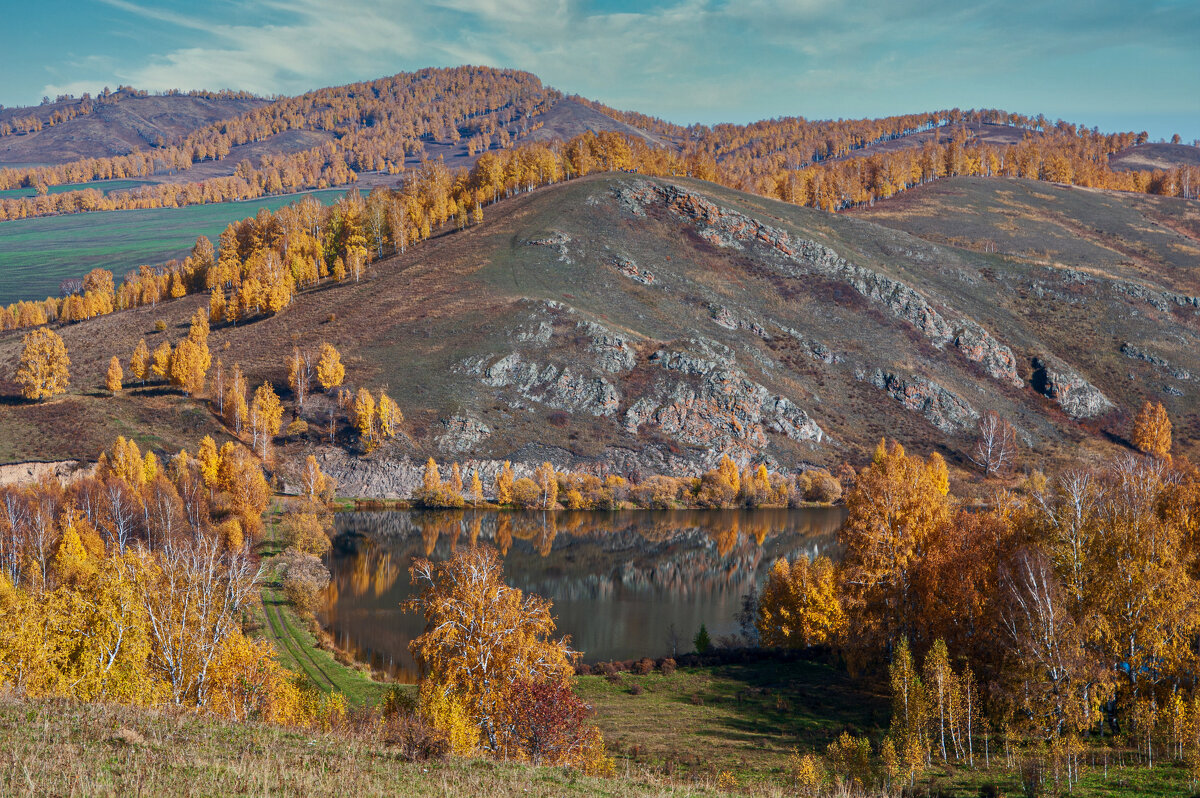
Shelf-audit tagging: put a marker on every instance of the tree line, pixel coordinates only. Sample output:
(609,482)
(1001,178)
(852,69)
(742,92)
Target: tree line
(1065,614)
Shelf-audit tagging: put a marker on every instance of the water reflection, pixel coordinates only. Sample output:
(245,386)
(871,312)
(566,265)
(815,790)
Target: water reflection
(620,581)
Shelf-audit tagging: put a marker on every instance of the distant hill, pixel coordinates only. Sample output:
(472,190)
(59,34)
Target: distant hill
(650,325)
(1155,156)
(117,127)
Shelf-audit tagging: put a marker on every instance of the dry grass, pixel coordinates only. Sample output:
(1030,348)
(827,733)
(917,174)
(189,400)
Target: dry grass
(55,748)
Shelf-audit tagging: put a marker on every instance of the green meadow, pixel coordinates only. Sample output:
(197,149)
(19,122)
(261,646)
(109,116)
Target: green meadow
(103,186)
(37,254)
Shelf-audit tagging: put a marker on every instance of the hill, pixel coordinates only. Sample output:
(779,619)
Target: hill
(121,125)
(1155,156)
(622,323)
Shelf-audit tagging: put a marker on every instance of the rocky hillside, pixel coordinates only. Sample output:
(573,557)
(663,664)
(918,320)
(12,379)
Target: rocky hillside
(638,325)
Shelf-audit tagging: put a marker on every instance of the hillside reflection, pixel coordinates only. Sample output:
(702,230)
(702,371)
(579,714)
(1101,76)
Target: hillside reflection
(620,581)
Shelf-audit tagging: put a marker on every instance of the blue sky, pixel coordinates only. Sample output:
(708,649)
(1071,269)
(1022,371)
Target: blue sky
(1118,65)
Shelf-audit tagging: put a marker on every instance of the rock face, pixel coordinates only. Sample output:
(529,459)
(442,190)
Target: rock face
(800,257)
(631,270)
(711,403)
(561,388)
(1134,352)
(1076,396)
(462,434)
(65,471)
(946,411)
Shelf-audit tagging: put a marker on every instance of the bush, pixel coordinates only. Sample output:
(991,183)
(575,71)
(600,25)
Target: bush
(614,678)
(583,669)
(296,428)
(526,493)
(304,578)
(304,531)
(822,487)
(160,326)
(605,669)
(636,690)
(667,666)
(643,666)
(441,497)
(413,738)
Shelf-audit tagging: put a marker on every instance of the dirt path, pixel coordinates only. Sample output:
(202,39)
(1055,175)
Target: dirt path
(279,630)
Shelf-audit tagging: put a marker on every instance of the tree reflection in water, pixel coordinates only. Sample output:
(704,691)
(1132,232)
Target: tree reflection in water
(618,580)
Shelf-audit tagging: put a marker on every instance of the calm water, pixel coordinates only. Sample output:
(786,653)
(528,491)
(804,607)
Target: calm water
(619,580)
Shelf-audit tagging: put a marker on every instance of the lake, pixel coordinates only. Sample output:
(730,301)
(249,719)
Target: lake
(625,584)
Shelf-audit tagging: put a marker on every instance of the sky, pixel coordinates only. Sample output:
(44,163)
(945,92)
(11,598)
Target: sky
(1115,64)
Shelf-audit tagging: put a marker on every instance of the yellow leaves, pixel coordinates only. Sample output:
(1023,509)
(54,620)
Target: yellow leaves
(939,473)
(160,366)
(316,485)
(365,419)
(799,606)
(209,461)
(330,371)
(1152,431)
(483,637)
(43,368)
(266,416)
(390,417)
(504,484)
(896,506)
(124,461)
(305,532)
(140,360)
(246,682)
(71,561)
(112,380)
(188,367)
(729,471)
(449,716)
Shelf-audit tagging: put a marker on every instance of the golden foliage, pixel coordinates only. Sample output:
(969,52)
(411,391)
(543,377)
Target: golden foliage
(42,371)
(799,606)
(482,640)
(1152,431)
(112,380)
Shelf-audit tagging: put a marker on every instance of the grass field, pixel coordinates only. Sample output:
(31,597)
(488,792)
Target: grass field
(103,186)
(56,748)
(37,254)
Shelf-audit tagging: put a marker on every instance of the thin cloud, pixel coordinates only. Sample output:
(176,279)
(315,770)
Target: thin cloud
(699,60)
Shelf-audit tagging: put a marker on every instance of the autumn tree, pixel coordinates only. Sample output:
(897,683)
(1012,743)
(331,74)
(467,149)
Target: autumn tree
(139,361)
(485,641)
(995,445)
(388,416)
(187,367)
(330,371)
(160,364)
(799,606)
(315,484)
(266,416)
(112,380)
(366,420)
(237,412)
(299,374)
(1152,431)
(43,368)
(895,508)
(476,489)
(504,484)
